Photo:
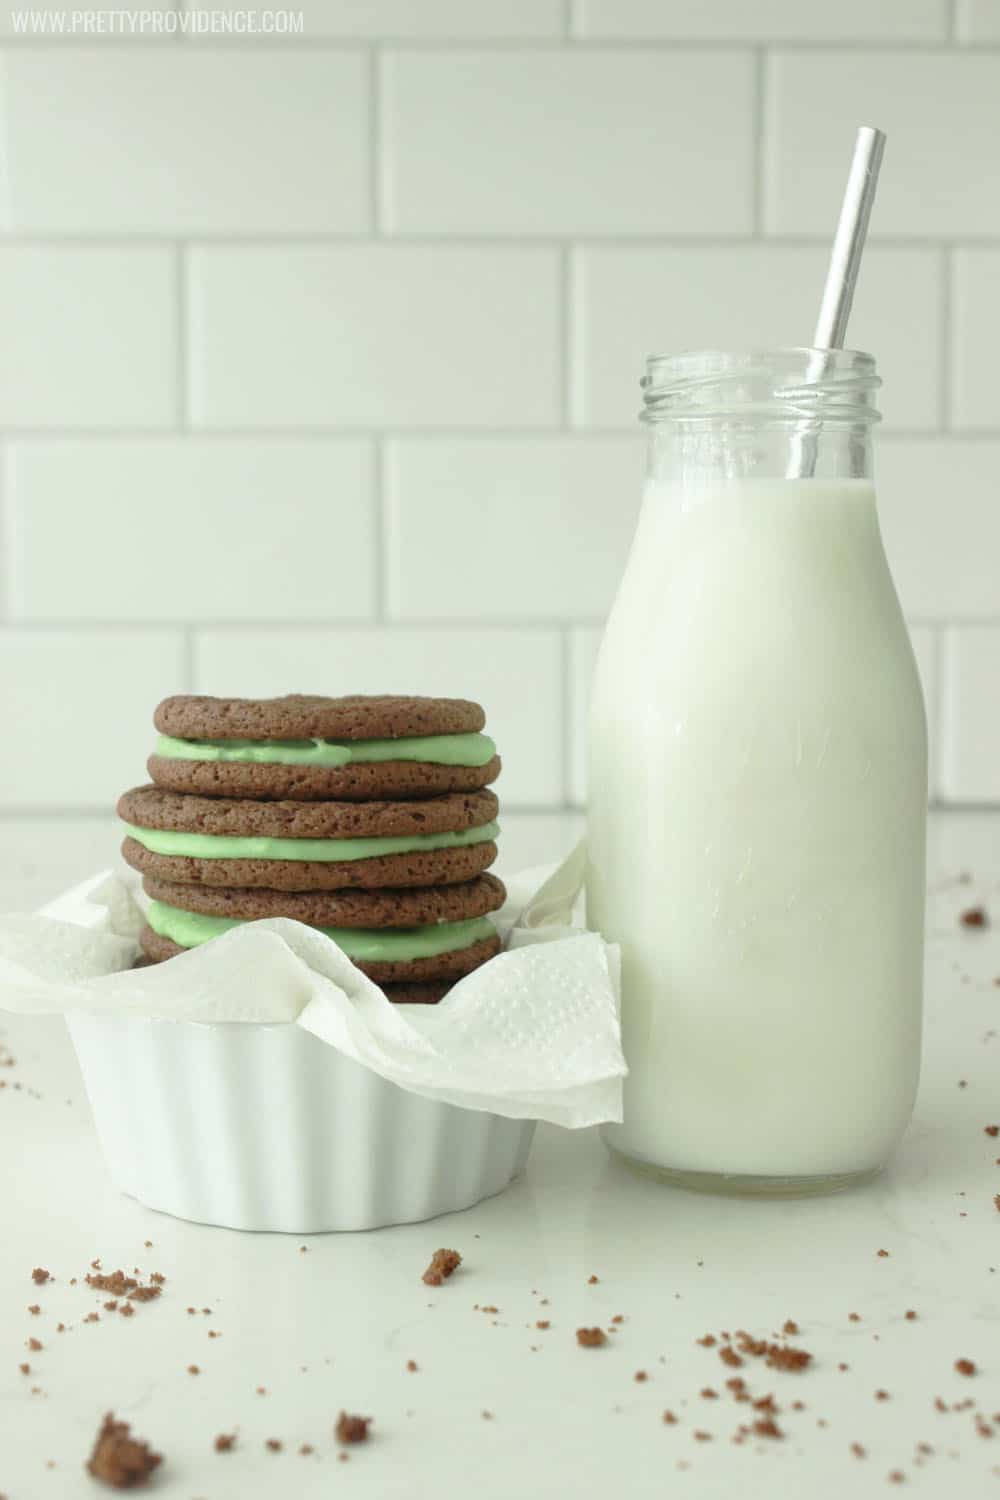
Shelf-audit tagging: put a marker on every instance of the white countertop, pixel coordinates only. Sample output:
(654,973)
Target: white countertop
(335,1326)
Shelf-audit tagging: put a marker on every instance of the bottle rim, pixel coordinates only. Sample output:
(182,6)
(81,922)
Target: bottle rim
(795,383)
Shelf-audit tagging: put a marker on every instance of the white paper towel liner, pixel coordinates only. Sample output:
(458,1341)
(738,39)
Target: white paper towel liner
(533,1034)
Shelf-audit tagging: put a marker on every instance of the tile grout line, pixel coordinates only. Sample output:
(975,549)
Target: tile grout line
(566,712)
(376,145)
(567,335)
(380,529)
(761,96)
(946,399)
(182,392)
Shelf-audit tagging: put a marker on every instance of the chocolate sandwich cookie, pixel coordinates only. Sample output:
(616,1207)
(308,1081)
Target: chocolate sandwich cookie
(308,846)
(304,748)
(444,950)
(420,907)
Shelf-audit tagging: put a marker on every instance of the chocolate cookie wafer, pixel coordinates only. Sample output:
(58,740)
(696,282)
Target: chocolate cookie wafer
(304,748)
(308,846)
(419,907)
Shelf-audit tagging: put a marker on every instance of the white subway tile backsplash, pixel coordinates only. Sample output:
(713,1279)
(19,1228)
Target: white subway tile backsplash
(78,708)
(765,20)
(941,111)
(978,20)
(89,337)
(515,674)
(630,302)
(419,19)
(176,140)
(540,527)
(191,529)
(971,759)
(374,336)
(568,142)
(975,338)
(941,523)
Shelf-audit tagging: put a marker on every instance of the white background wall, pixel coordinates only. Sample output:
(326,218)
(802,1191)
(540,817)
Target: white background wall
(318,358)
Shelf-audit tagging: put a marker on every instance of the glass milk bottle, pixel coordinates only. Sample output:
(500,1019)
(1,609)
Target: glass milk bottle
(758,785)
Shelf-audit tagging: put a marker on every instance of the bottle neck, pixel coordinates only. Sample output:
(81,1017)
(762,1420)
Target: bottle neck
(703,454)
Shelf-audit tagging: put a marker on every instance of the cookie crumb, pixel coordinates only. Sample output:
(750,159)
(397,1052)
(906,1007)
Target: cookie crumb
(974,916)
(147,1244)
(351,1429)
(640,1376)
(883,1254)
(487,1416)
(25,1369)
(225,1442)
(126,1309)
(790,1326)
(669,1419)
(120,1460)
(702,1437)
(767,1427)
(193,1370)
(40,1276)
(34,1309)
(854,1317)
(592,1280)
(442,1264)
(991,1130)
(544,1323)
(896,1476)
(707,1394)
(274,1445)
(707,1341)
(965,1367)
(910,1314)
(858,1451)
(729,1356)
(305,1449)
(262,1390)
(412,1366)
(591,1338)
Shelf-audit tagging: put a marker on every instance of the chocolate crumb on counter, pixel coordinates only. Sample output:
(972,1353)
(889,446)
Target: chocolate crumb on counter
(640,1376)
(787,1358)
(767,1427)
(352,1429)
(225,1442)
(544,1323)
(593,1280)
(126,1309)
(965,1367)
(974,916)
(669,1419)
(707,1341)
(729,1356)
(702,1437)
(896,1476)
(487,1416)
(991,1129)
(274,1445)
(412,1366)
(707,1394)
(910,1314)
(193,1370)
(790,1326)
(858,1451)
(591,1338)
(996,1202)
(881,1395)
(34,1309)
(120,1460)
(25,1369)
(40,1276)
(883,1254)
(854,1317)
(442,1264)
(305,1449)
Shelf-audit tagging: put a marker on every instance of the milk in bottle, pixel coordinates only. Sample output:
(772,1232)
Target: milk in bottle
(757,786)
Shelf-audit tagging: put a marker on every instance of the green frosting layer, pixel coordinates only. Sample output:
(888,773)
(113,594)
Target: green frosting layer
(366,945)
(437,749)
(218,846)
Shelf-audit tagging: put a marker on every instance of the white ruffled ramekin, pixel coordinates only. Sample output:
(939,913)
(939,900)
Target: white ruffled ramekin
(264,1127)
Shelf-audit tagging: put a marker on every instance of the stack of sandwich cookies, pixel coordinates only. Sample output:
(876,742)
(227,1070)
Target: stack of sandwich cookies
(271,823)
